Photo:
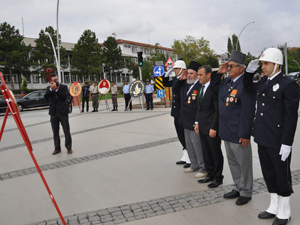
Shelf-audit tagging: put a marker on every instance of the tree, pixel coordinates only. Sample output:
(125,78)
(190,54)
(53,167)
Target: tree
(193,49)
(13,52)
(112,55)
(132,67)
(86,58)
(24,85)
(43,55)
(234,44)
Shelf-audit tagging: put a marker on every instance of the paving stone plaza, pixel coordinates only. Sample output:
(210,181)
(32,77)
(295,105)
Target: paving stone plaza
(122,171)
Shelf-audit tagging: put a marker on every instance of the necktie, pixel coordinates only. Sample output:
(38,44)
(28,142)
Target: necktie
(201,93)
(267,81)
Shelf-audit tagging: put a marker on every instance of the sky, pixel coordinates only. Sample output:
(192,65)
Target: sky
(163,21)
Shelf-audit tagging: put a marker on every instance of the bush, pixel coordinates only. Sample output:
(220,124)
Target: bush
(24,86)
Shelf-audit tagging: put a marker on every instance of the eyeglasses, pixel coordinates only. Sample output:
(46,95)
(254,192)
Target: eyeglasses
(232,66)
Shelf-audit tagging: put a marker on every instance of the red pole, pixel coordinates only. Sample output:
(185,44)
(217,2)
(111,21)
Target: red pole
(11,106)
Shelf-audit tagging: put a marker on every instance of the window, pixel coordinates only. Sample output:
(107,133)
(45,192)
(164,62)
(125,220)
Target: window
(35,78)
(44,80)
(134,49)
(66,77)
(28,78)
(16,78)
(79,79)
(73,78)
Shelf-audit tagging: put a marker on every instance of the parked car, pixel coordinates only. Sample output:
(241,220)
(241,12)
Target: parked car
(31,100)
(294,75)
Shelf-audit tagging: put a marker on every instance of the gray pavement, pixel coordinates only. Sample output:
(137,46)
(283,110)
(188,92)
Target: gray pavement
(122,171)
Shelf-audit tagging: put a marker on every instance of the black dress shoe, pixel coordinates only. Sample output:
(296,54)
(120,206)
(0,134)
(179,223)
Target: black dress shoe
(187,165)
(215,184)
(69,151)
(242,200)
(56,151)
(266,215)
(231,195)
(278,221)
(180,162)
(205,180)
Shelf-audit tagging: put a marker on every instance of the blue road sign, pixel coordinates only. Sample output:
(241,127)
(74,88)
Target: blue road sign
(161,93)
(158,71)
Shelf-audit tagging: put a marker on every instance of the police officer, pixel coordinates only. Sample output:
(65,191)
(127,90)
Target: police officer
(149,90)
(236,113)
(126,95)
(178,68)
(85,96)
(274,130)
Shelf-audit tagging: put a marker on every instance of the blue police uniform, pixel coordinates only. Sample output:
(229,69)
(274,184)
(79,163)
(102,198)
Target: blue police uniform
(149,98)
(275,124)
(127,96)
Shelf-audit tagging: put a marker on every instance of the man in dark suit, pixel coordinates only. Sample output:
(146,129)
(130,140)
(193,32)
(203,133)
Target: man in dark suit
(178,69)
(274,129)
(57,94)
(236,113)
(189,85)
(206,125)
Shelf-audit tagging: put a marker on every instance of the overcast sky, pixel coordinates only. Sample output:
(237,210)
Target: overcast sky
(162,21)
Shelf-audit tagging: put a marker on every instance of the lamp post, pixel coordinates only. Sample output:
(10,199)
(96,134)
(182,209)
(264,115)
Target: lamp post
(285,54)
(57,37)
(241,33)
(297,63)
(55,56)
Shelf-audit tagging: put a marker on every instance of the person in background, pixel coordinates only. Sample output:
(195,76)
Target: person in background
(85,96)
(114,95)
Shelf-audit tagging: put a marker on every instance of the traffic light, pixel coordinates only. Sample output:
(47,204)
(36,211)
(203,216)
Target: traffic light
(140,58)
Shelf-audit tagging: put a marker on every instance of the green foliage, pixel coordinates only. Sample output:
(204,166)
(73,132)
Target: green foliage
(24,86)
(132,67)
(13,52)
(112,55)
(234,44)
(43,55)
(86,58)
(194,49)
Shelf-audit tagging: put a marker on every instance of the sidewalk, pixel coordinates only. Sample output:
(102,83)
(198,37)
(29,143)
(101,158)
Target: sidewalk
(122,171)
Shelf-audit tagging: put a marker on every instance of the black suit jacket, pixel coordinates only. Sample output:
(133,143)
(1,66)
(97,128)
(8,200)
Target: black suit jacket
(207,114)
(189,103)
(176,105)
(58,100)
(277,110)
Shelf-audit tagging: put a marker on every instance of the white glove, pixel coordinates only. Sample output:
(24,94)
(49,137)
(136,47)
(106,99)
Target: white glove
(169,72)
(252,66)
(285,151)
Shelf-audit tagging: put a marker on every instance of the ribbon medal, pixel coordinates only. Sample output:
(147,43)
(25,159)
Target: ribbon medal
(189,100)
(233,92)
(227,101)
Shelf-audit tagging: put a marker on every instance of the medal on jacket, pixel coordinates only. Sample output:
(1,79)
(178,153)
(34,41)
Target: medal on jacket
(233,92)
(227,101)
(189,100)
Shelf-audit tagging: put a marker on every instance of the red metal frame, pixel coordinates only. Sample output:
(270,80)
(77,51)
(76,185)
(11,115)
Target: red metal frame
(13,109)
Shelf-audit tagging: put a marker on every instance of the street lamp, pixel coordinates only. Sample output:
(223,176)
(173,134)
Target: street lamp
(53,49)
(241,33)
(57,35)
(297,63)
(285,53)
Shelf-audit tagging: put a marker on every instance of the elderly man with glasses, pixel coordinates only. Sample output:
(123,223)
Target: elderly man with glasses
(236,113)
